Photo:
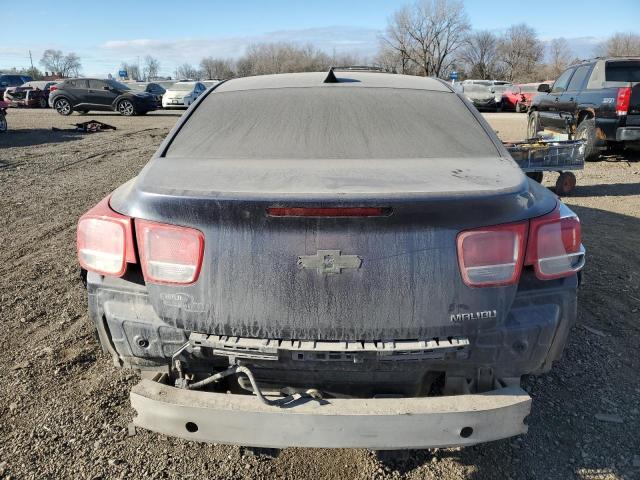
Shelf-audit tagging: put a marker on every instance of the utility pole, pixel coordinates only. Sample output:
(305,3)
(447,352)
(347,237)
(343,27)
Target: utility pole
(31,60)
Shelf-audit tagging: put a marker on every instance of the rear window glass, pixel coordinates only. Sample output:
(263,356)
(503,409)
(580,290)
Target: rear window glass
(331,122)
(622,71)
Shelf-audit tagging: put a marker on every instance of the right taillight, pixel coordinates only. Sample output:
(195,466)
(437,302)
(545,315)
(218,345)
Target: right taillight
(52,88)
(169,254)
(623,99)
(555,244)
(494,256)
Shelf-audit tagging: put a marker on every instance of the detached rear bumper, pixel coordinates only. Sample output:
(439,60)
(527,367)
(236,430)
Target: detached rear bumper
(378,424)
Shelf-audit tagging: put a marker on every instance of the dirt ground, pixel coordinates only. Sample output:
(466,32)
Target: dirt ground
(64,408)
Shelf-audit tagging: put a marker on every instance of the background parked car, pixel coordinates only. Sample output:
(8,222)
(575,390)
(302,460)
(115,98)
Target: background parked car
(30,94)
(153,88)
(10,80)
(598,100)
(518,97)
(482,96)
(182,94)
(84,94)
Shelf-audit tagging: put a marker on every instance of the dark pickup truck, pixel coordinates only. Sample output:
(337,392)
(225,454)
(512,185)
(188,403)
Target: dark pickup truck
(597,100)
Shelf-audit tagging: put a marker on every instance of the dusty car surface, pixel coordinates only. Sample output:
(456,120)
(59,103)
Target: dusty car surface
(348,259)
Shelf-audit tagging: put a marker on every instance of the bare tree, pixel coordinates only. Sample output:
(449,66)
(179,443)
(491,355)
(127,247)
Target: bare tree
(57,62)
(281,57)
(428,34)
(151,67)
(560,57)
(188,71)
(480,55)
(217,68)
(620,45)
(520,51)
(132,69)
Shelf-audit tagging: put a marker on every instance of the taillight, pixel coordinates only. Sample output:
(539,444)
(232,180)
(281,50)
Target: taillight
(492,256)
(622,100)
(555,244)
(105,240)
(53,88)
(169,254)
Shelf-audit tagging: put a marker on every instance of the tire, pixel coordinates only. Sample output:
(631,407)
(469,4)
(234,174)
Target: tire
(43,102)
(518,108)
(126,108)
(3,123)
(533,125)
(537,176)
(587,131)
(565,184)
(63,107)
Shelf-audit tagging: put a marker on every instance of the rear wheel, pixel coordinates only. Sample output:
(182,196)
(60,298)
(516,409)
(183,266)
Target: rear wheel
(587,131)
(566,183)
(126,108)
(42,102)
(62,106)
(533,125)
(3,123)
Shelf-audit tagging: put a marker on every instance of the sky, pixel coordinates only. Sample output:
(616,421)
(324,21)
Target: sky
(105,34)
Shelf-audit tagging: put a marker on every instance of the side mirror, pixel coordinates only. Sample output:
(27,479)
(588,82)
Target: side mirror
(544,87)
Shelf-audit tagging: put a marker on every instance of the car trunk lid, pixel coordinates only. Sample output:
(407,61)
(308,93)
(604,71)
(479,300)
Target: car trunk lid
(390,276)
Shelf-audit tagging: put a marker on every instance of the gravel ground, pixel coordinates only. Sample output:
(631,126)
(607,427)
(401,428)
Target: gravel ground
(64,408)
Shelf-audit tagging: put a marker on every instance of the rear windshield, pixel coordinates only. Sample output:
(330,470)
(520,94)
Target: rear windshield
(623,71)
(331,122)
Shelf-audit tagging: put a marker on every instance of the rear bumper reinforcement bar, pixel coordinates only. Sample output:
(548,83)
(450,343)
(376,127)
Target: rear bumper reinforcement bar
(378,424)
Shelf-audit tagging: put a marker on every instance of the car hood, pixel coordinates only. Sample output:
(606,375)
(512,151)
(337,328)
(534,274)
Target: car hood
(178,93)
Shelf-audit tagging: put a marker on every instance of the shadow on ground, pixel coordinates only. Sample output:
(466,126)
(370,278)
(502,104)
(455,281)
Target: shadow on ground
(37,136)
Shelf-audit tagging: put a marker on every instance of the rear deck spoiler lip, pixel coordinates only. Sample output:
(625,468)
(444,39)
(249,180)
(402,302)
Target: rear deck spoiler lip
(385,423)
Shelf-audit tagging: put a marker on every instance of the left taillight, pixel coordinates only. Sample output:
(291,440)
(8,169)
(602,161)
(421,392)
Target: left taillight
(169,254)
(492,256)
(105,240)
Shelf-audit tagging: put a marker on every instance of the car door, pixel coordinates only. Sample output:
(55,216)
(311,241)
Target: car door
(549,106)
(76,91)
(100,95)
(568,103)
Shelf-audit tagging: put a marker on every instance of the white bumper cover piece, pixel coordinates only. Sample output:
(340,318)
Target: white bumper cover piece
(378,424)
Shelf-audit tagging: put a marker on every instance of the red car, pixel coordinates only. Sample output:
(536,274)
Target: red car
(518,97)
(30,94)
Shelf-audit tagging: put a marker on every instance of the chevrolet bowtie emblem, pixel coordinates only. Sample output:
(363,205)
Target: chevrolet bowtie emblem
(329,261)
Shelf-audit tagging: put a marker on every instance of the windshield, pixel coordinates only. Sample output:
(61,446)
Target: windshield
(329,123)
(500,88)
(138,86)
(117,85)
(183,87)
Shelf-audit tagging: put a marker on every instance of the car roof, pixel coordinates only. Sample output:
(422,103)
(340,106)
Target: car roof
(342,78)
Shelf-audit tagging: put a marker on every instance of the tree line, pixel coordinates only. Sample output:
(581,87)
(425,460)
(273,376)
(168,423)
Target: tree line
(427,38)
